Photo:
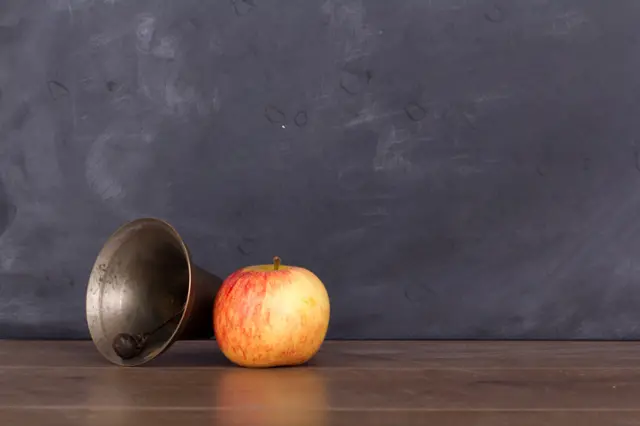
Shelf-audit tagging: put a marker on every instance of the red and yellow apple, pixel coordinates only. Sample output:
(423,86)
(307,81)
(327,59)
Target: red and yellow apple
(271,315)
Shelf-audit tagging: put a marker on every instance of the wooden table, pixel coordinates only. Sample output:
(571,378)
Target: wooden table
(348,383)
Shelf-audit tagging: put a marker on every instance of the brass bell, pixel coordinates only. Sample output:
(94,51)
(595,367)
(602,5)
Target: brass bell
(144,294)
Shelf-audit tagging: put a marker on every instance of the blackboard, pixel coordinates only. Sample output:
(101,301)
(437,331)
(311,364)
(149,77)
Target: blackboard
(449,168)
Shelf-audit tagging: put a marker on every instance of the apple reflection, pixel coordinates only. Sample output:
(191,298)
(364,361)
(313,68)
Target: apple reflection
(276,396)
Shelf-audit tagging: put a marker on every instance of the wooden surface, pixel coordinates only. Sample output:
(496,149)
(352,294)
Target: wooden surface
(348,383)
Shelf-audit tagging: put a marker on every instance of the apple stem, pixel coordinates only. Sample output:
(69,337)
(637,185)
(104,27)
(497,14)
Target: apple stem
(276,263)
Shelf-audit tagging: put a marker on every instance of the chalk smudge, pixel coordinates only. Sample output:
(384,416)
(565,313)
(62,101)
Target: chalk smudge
(370,114)
(166,49)
(145,31)
(565,23)
(118,157)
(346,20)
(389,153)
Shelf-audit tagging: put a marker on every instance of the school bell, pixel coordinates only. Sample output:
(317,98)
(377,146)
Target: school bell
(144,294)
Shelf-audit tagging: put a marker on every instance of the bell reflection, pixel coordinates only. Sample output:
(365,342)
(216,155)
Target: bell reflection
(112,389)
(276,396)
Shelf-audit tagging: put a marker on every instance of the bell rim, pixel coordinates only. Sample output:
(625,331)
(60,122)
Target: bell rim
(95,271)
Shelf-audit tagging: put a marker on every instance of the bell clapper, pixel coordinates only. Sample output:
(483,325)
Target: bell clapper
(128,346)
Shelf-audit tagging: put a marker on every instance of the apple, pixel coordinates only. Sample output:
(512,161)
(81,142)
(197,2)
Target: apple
(271,315)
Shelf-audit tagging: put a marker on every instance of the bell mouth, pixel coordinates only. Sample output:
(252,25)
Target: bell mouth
(139,286)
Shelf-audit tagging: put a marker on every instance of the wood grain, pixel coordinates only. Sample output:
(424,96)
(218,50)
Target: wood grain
(409,383)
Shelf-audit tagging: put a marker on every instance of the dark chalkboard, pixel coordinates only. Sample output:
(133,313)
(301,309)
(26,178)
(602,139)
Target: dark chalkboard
(449,168)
